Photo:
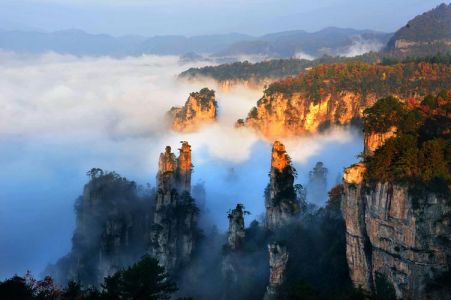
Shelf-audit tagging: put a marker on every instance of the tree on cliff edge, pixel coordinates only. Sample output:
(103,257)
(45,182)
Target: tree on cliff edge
(145,280)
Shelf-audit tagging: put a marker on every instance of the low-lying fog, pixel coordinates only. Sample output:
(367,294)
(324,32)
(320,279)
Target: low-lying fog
(62,115)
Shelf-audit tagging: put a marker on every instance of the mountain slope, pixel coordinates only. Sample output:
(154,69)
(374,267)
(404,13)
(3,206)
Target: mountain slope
(331,41)
(425,34)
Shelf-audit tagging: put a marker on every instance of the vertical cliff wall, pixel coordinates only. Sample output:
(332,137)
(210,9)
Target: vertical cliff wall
(280,197)
(174,229)
(396,239)
(338,94)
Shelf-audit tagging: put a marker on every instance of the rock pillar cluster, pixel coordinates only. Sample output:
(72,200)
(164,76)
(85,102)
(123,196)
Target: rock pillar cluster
(174,226)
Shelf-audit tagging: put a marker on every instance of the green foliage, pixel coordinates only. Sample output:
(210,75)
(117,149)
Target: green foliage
(245,70)
(335,196)
(385,113)
(364,79)
(420,151)
(144,280)
(270,69)
(204,96)
(317,267)
(438,58)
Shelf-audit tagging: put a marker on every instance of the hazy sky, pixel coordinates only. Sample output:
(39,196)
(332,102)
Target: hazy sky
(192,17)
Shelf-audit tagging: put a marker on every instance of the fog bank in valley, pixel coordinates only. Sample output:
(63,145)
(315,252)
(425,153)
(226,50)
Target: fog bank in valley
(62,115)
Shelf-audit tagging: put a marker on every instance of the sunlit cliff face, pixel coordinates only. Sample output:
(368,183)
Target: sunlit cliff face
(278,116)
(63,115)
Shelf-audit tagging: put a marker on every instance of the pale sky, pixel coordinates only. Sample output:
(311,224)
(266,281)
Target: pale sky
(193,17)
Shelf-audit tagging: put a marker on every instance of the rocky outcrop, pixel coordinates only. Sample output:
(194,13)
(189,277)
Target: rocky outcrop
(279,115)
(278,259)
(426,34)
(395,238)
(280,196)
(199,109)
(112,225)
(174,229)
(374,140)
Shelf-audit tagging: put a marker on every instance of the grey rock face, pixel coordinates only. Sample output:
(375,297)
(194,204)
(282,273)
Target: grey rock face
(398,236)
(278,259)
(112,227)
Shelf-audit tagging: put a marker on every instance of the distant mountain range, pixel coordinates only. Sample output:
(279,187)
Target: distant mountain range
(330,41)
(282,44)
(425,34)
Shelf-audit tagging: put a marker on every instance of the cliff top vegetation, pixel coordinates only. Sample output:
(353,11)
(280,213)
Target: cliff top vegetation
(420,151)
(403,80)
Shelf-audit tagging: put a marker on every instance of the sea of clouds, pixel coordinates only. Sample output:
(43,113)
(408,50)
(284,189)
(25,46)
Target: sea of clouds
(62,115)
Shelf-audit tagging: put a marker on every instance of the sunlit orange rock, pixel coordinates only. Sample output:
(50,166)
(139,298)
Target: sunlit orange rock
(374,140)
(199,109)
(167,162)
(354,174)
(280,158)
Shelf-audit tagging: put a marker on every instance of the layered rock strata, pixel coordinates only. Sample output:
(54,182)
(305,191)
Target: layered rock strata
(395,237)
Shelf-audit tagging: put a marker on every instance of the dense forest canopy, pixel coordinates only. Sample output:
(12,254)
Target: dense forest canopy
(420,151)
(403,80)
(275,69)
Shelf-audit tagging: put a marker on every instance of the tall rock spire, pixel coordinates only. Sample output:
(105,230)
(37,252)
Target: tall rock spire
(232,263)
(236,232)
(174,227)
(280,196)
(184,168)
